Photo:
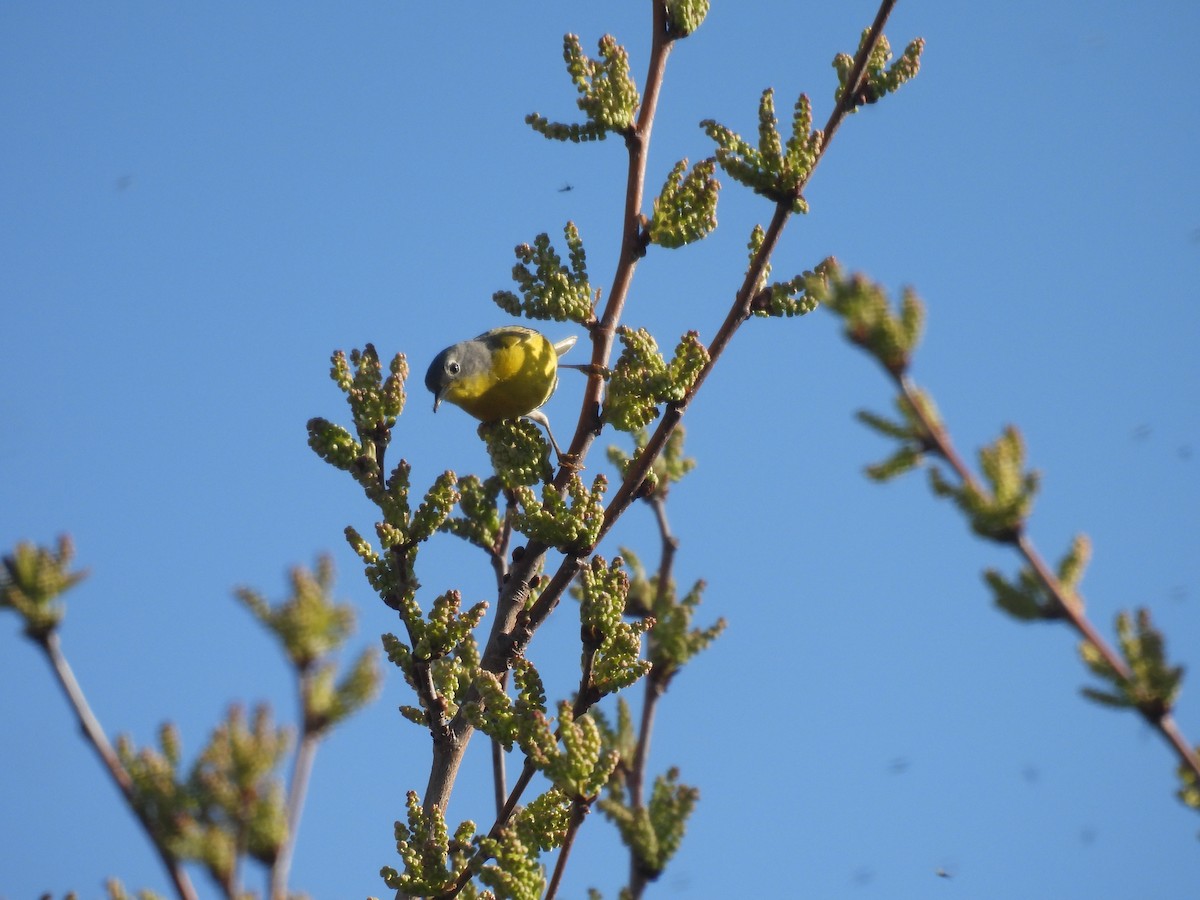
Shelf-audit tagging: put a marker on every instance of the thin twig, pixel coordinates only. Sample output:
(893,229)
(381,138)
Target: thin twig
(637,142)
(499,554)
(655,688)
(498,776)
(302,765)
(90,726)
(579,811)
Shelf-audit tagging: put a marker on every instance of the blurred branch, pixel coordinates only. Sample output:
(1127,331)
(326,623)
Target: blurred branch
(1069,605)
(302,765)
(656,686)
(90,726)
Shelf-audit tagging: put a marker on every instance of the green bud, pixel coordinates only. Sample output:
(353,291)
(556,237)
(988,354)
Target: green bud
(33,580)
(642,379)
(550,289)
(519,454)
(480,523)
(309,623)
(608,95)
(771,169)
(431,861)
(653,832)
(997,514)
(797,297)
(879,79)
(613,644)
(686,209)
(1152,685)
(869,321)
(757,236)
(334,444)
(685,16)
(568,519)
(435,508)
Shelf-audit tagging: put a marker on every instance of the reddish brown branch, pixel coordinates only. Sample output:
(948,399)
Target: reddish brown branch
(1067,602)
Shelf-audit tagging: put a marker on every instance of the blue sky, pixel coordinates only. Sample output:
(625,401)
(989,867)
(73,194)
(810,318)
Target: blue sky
(197,205)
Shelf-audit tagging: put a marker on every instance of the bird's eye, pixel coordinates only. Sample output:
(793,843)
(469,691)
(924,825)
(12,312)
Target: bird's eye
(452,367)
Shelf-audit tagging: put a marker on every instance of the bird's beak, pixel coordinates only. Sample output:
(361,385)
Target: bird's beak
(437,401)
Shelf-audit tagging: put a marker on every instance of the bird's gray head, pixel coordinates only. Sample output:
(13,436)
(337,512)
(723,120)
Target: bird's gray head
(463,360)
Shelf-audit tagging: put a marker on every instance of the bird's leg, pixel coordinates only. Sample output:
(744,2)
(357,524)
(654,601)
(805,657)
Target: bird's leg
(589,369)
(564,459)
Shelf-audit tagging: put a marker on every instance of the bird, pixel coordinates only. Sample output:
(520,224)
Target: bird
(505,373)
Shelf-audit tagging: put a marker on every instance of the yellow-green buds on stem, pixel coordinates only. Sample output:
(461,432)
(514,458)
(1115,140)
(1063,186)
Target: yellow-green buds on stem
(878,78)
(686,209)
(911,430)
(772,169)
(231,802)
(1029,599)
(642,379)
(432,860)
(653,832)
(311,625)
(519,454)
(569,753)
(480,523)
(685,16)
(550,289)
(32,581)
(608,95)
(673,642)
(869,321)
(797,296)
(1151,685)
(569,519)
(611,646)
(999,512)
(375,403)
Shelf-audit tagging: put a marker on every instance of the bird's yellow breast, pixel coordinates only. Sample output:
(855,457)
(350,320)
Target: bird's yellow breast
(521,377)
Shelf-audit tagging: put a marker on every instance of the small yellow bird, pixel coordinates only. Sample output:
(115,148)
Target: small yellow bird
(505,373)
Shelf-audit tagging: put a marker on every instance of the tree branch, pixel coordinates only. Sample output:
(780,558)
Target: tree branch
(90,726)
(302,765)
(1071,608)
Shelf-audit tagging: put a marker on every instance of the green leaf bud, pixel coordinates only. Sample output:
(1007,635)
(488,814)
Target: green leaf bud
(480,522)
(519,454)
(549,288)
(769,169)
(757,236)
(431,861)
(1151,685)
(869,322)
(435,508)
(608,95)
(309,623)
(796,297)
(686,209)
(997,514)
(568,519)
(334,444)
(33,580)
(879,79)
(642,379)
(685,16)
